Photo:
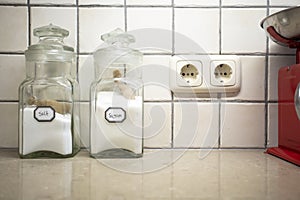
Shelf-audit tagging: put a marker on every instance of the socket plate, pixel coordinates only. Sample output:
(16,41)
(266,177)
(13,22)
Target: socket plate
(206,82)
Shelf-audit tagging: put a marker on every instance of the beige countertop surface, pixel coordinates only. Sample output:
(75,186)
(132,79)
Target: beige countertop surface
(159,175)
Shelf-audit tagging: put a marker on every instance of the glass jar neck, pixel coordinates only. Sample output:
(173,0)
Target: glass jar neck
(119,71)
(120,44)
(52,69)
(55,39)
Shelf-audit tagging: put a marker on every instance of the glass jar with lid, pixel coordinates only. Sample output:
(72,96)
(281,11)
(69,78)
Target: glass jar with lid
(49,98)
(116,125)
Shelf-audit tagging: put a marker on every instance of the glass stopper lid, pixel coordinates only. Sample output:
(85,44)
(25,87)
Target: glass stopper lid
(50,45)
(50,30)
(118,35)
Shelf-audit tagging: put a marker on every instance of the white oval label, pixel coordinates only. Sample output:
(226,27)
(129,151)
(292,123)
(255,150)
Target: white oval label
(44,114)
(115,115)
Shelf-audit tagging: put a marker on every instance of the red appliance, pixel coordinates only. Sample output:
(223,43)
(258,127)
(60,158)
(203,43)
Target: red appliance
(288,98)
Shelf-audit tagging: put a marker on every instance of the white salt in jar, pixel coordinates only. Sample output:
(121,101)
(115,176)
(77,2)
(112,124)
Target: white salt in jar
(116,126)
(49,98)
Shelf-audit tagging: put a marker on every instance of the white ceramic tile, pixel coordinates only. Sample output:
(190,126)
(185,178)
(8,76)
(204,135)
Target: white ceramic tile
(196,30)
(242,125)
(241,30)
(14,32)
(272,125)
(156,78)
(84,124)
(12,73)
(94,22)
(196,3)
(157,124)
(276,48)
(9,125)
(284,3)
(252,78)
(152,28)
(102,2)
(275,63)
(63,17)
(53,2)
(86,76)
(13,1)
(149,2)
(196,124)
(244,2)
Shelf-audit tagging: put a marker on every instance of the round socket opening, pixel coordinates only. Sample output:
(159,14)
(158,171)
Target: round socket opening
(189,72)
(223,72)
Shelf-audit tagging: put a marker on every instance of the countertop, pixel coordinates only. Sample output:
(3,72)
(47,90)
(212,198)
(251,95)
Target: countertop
(159,175)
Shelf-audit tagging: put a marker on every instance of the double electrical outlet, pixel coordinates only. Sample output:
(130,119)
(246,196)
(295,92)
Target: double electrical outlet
(205,74)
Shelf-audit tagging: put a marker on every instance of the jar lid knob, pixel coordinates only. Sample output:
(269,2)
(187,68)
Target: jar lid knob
(118,35)
(50,30)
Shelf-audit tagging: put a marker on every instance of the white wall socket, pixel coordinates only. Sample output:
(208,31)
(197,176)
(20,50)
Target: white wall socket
(205,74)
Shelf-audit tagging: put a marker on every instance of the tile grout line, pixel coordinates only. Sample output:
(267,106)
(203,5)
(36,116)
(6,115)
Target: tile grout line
(125,16)
(219,123)
(267,82)
(220,52)
(220,27)
(29,22)
(172,94)
(77,42)
(170,54)
(136,6)
(173,28)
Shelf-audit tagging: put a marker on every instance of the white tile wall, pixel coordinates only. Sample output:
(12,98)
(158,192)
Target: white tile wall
(196,124)
(241,30)
(192,26)
(272,140)
(9,125)
(244,2)
(253,78)
(14,31)
(284,3)
(63,17)
(151,18)
(100,20)
(156,78)
(86,75)
(191,3)
(242,125)
(101,2)
(13,1)
(194,33)
(56,2)
(149,2)
(84,124)
(12,73)
(157,125)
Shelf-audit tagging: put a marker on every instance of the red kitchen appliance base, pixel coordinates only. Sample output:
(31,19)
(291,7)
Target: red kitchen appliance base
(288,121)
(285,154)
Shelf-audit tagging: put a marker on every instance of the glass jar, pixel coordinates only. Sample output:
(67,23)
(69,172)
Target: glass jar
(116,125)
(49,98)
